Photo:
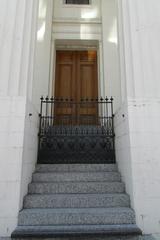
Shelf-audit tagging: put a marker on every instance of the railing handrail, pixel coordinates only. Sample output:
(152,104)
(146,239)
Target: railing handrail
(72,100)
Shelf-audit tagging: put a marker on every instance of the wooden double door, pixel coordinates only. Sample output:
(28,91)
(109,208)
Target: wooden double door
(76,79)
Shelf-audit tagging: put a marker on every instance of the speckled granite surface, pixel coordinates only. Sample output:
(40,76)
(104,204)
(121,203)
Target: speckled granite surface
(148,237)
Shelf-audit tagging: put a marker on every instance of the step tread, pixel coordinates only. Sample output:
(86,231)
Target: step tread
(79,176)
(51,231)
(76,167)
(76,216)
(79,210)
(78,194)
(76,200)
(76,187)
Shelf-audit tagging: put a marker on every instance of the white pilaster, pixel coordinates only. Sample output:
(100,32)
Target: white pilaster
(15,45)
(17,35)
(42,84)
(111,50)
(137,124)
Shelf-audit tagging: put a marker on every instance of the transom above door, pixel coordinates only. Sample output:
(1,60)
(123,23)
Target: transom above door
(76,79)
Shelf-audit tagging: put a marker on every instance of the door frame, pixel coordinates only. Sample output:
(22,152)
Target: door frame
(79,45)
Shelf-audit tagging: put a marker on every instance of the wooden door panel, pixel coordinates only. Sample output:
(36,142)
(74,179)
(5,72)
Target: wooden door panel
(65,75)
(65,81)
(88,56)
(65,57)
(87,87)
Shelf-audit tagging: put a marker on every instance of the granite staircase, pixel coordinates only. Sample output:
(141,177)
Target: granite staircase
(76,200)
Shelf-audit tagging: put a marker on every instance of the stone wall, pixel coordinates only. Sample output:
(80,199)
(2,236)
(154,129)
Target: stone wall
(137,153)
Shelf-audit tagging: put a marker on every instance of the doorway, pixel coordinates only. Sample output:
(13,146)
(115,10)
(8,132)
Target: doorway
(76,81)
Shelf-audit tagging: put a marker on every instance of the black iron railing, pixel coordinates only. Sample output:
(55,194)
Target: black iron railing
(76,131)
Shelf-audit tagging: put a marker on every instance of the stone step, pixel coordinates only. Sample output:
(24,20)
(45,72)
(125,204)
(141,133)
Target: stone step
(110,232)
(77,177)
(76,216)
(76,201)
(76,187)
(44,168)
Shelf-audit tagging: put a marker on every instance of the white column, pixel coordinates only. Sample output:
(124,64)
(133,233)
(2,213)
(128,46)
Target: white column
(17,35)
(110,50)
(137,125)
(141,29)
(15,41)
(43,74)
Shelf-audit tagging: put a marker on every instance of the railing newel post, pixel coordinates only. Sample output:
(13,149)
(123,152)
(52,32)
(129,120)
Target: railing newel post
(40,125)
(113,133)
